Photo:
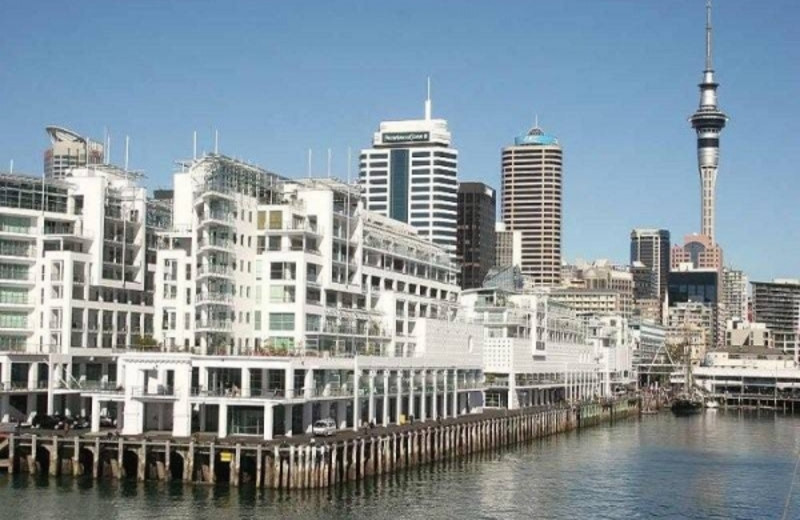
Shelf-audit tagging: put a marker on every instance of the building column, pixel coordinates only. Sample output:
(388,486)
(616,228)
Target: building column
(454,403)
(386,392)
(423,405)
(371,404)
(222,420)
(269,419)
(289,382)
(33,375)
(411,411)
(95,422)
(444,394)
(435,396)
(245,390)
(356,399)
(341,413)
(287,420)
(308,384)
(399,401)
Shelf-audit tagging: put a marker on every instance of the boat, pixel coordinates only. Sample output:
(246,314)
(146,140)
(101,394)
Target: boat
(686,405)
(712,404)
(688,402)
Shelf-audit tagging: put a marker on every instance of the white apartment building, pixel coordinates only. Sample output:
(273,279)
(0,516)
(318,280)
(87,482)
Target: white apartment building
(411,174)
(613,341)
(75,285)
(281,302)
(535,351)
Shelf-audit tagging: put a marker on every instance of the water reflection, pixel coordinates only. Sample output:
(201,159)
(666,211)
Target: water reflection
(716,465)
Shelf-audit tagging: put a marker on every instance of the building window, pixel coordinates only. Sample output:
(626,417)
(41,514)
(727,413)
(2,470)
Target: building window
(398,205)
(275,219)
(313,322)
(281,321)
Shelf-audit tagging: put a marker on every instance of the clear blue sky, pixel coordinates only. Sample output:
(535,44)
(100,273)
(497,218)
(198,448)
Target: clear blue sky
(614,80)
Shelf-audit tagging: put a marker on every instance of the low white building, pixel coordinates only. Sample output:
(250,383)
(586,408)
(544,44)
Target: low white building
(535,351)
(747,371)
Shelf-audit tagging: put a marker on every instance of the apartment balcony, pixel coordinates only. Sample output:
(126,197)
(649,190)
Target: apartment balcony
(211,193)
(207,244)
(214,298)
(17,253)
(158,392)
(23,326)
(25,302)
(16,277)
(18,386)
(213,326)
(19,232)
(294,228)
(217,218)
(214,271)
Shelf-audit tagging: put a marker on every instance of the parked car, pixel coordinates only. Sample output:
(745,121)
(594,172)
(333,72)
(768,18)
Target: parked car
(326,427)
(47,422)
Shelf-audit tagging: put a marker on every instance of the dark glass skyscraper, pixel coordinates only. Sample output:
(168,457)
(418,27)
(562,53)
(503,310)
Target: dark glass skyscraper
(651,248)
(475,236)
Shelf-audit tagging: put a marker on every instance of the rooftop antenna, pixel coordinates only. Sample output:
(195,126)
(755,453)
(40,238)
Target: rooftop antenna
(536,121)
(216,142)
(127,143)
(349,160)
(108,148)
(194,145)
(329,163)
(428,101)
(708,35)
(105,150)
(11,166)
(309,162)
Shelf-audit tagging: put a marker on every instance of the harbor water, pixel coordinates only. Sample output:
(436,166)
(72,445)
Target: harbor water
(717,465)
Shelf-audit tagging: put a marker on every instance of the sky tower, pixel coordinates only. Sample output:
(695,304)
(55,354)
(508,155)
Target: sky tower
(708,121)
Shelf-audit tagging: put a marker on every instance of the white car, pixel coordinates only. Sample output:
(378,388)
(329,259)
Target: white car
(326,427)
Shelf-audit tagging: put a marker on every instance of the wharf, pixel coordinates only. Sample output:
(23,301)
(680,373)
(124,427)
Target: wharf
(299,462)
(779,402)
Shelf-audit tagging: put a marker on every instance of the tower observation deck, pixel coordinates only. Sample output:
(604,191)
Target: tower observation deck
(708,121)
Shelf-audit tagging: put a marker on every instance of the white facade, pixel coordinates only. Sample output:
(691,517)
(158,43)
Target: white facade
(287,302)
(75,286)
(411,174)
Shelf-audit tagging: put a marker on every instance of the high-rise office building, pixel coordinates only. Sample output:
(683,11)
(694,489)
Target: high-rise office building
(69,150)
(734,293)
(651,248)
(475,237)
(411,174)
(531,194)
(777,305)
(708,121)
(700,287)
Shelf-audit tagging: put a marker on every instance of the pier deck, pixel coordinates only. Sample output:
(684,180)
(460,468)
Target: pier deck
(298,462)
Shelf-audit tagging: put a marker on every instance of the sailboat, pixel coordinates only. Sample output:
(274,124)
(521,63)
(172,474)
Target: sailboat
(687,402)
